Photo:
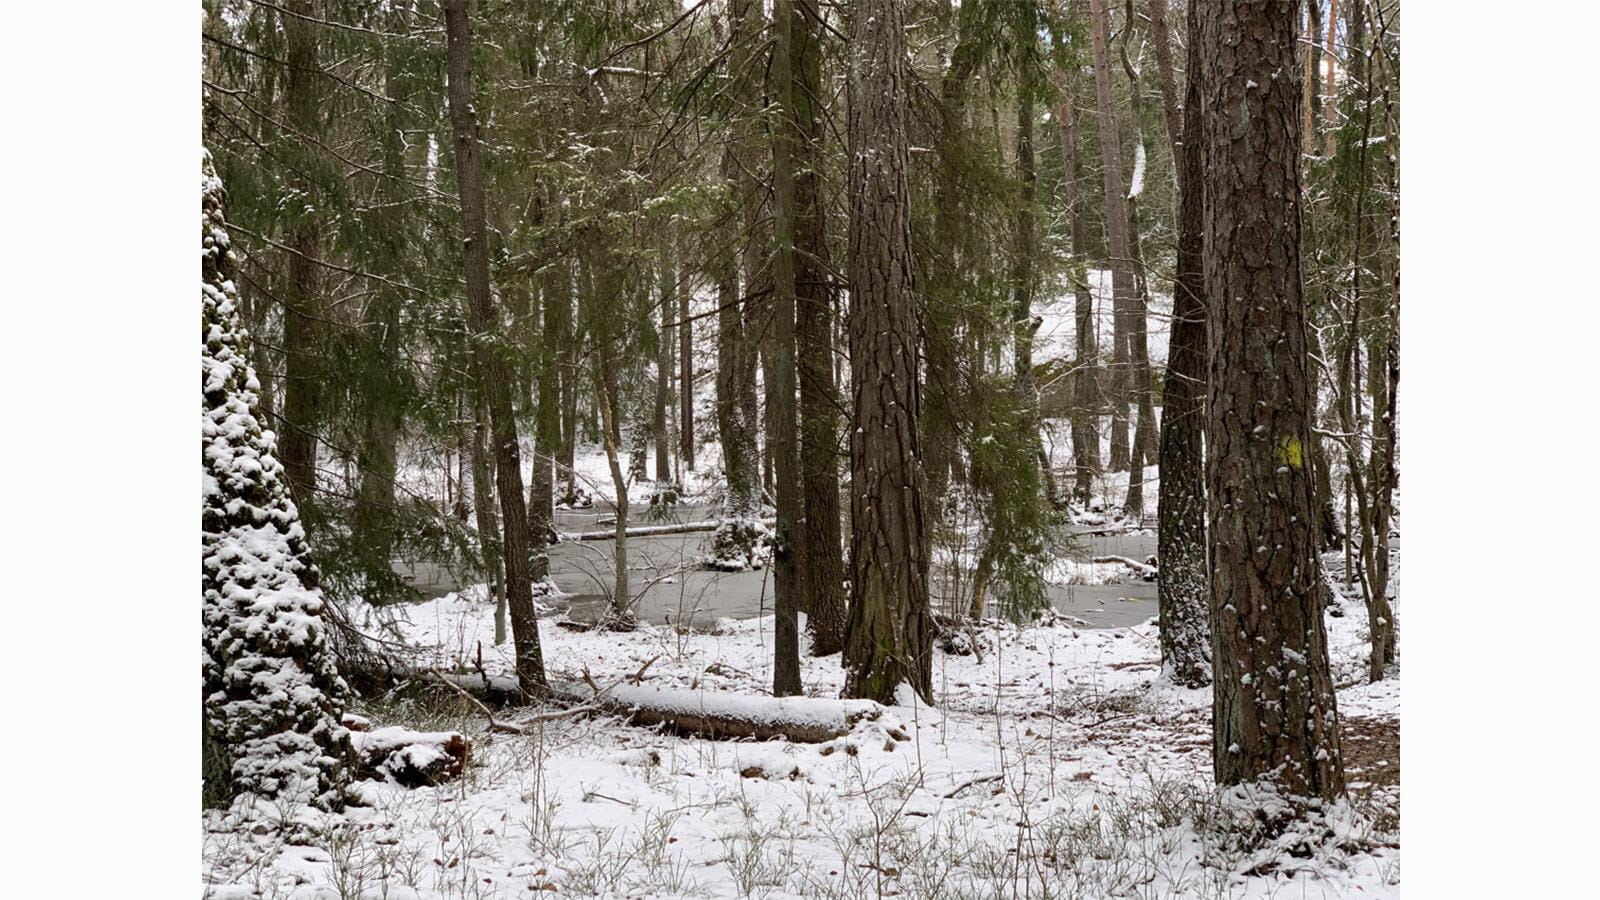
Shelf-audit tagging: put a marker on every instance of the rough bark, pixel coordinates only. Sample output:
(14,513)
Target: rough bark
(497,375)
(889,638)
(1274,712)
(1181,591)
(1122,286)
(1169,79)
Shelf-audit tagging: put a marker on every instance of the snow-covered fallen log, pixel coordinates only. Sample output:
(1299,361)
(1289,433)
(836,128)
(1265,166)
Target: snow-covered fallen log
(610,534)
(1143,570)
(410,758)
(717,714)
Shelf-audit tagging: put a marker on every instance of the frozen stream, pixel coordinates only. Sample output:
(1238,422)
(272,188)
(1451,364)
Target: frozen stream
(670,588)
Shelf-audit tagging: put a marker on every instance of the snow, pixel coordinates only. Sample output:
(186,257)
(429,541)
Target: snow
(1060,740)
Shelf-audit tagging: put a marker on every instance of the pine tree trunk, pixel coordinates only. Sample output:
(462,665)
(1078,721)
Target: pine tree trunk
(489,544)
(302,375)
(822,578)
(607,396)
(1274,712)
(738,412)
(557,301)
(888,641)
(497,377)
(789,552)
(1086,400)
(1181,591)
(1023,323)
(685,374)
(658,422)
(1122,287)
(1145,439)
(1169,79)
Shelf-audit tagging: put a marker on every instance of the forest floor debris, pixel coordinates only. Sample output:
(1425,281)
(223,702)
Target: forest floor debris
(1060,764)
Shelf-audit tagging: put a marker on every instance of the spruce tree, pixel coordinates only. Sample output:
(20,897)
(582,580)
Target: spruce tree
(272,698)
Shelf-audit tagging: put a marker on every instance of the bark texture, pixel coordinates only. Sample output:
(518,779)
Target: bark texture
(1273,708)
(1182,596)
(496,372)
(889,638)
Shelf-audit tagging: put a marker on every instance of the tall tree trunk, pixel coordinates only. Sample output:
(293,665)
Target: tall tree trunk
(822,579)
(556,297)
(382,419)
(888,641)
(302,375)
(1023,323)
(1311,50)
(607,396)
(1273,709)
(1086,399)
(658,422)
(1145,439)
(738,417)
(1122,287)
(1181,591)
(685,373)
(497,376)
(789,551)
(1169,78)
(1330,108)
(489,544)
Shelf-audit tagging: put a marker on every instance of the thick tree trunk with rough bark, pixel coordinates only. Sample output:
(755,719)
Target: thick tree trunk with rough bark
(889,639)
(1273,706)
(1181,591)
(822,579)
(496,374)
(1122,287)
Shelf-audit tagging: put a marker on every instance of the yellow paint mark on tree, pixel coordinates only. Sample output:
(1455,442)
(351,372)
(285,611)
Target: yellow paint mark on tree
(1291,453)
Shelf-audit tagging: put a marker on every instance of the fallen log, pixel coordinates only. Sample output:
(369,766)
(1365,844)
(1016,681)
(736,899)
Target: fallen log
(610,534)
(710,714)
(1143,570)
(716,714)
(410,758)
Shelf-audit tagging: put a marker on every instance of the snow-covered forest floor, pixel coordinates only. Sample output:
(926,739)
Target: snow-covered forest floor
(1057,763)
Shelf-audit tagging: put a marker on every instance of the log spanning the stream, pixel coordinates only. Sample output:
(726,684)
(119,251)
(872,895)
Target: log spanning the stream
(712,714)
(652,530)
